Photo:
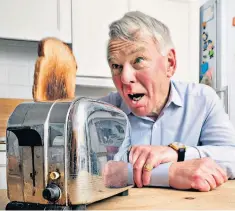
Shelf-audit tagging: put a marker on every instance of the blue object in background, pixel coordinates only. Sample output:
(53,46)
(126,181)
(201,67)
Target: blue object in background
(208,41)
(204,68)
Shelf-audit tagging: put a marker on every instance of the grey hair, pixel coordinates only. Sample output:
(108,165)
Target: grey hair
(135,23)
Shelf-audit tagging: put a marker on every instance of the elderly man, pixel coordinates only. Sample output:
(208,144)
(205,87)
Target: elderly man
(181,136)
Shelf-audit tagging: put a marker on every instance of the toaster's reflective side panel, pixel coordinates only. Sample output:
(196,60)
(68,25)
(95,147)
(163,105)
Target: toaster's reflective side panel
(15,180)
(33,174)
(57,148)
(25,153)
(95,132)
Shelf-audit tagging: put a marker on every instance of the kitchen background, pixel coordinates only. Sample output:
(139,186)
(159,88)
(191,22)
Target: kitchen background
(83,24)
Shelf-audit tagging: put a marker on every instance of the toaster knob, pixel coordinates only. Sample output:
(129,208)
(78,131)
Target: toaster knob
(51,193)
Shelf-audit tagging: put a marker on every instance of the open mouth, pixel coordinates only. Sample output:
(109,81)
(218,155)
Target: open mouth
(135,97)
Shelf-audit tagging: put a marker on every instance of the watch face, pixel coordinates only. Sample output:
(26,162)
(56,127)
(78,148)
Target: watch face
(177,145)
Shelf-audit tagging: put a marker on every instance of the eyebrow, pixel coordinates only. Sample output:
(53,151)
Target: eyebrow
(110,57)
(136,50)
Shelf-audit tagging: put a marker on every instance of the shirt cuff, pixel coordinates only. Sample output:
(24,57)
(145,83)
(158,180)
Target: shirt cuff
(130,175)
(192,153)
(159,176)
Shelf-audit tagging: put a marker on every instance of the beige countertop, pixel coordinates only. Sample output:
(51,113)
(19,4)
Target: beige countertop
(222,198)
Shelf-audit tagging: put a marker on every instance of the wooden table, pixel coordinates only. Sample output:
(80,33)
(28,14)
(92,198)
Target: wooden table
(7,106)
(163,199)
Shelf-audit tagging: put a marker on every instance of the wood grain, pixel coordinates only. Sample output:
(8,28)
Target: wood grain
(223,198)
(7,106)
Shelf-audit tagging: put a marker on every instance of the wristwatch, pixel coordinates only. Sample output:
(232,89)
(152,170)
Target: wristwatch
(180,149)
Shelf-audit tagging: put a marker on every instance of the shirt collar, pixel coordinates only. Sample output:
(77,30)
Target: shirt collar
(125,108)
(174,98)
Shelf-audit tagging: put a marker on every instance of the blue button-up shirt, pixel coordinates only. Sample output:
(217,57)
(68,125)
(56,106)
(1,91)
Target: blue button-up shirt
(194,115)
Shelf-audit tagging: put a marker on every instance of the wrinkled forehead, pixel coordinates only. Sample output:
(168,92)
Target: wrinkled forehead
(119,47)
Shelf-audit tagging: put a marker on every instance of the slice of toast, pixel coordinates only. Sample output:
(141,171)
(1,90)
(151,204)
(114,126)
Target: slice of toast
(55,71)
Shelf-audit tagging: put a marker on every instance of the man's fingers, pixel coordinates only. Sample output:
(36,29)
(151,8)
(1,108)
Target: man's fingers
(211,181)
(134,154)
(207,181)
(218,177)
(204,186)
(135,151)
(150,162)
(223,173)
(146,177)
(201,184)
(138,167)
(131,154)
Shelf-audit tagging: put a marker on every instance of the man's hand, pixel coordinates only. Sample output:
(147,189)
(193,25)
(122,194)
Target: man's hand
(151,155)
(200,174)
(115,174)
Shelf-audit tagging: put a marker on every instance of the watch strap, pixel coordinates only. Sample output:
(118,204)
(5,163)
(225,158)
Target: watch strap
(181,154)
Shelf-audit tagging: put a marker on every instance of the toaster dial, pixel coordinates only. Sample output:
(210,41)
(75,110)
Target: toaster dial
(51,193)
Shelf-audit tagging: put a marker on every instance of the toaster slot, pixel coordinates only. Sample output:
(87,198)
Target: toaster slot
(28,136)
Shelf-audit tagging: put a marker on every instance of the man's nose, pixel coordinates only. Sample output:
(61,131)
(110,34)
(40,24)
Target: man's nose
(128,74)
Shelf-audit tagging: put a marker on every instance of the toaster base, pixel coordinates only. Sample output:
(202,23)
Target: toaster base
(34,206)
(14,205)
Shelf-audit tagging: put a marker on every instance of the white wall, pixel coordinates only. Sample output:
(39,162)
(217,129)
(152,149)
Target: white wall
(229,53)
(194,32)
(16,69)
(17,59)
(201,2)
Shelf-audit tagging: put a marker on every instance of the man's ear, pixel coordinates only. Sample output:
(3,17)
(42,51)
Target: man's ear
(171,63)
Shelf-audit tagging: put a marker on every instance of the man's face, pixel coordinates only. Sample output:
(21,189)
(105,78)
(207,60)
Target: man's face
(141,74)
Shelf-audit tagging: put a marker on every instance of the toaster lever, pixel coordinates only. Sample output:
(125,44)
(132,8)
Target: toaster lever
(51,193)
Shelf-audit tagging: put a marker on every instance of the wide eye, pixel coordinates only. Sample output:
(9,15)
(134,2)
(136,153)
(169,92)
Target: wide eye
(116,69)
(139,60)
(115,66)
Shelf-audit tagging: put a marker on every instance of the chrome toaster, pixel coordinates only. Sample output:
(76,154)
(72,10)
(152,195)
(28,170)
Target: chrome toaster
(56,152)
